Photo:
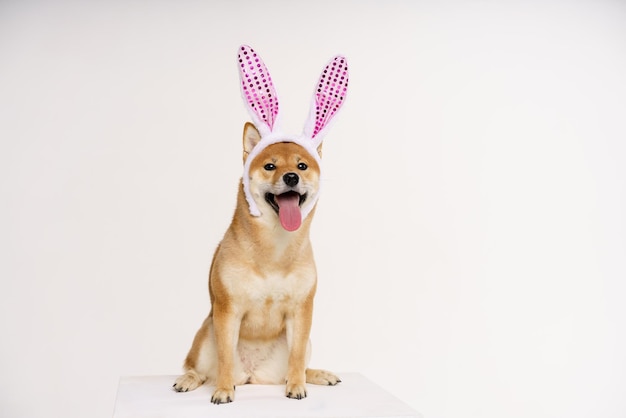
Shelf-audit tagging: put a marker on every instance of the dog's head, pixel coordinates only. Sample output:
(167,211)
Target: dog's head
(281,172)
(283,179)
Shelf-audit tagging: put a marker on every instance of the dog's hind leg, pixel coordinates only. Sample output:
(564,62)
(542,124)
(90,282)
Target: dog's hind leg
(317,376)
(321,377)
(200,364)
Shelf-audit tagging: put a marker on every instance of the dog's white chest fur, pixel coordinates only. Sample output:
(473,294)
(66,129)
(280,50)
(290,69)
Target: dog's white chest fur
(267,300)
(280,288)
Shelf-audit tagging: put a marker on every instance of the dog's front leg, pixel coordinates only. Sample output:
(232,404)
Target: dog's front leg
(226,328)
(298,330)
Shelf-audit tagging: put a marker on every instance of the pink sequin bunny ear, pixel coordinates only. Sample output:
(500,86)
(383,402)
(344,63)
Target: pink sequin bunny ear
(330,93)
(258,90)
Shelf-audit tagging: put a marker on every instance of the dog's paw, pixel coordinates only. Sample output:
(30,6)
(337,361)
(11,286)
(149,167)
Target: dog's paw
(321,377)
(295,391)
(223,395)
(188,381)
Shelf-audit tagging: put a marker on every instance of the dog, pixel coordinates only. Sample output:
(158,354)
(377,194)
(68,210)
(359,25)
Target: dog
(262,279)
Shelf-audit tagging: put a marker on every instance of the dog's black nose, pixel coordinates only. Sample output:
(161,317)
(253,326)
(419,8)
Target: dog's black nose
(291,179)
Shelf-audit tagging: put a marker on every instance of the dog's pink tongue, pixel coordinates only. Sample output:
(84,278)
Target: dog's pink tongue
(289,211)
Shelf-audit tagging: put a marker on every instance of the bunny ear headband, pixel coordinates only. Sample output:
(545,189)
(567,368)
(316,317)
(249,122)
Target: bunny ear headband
(259,96)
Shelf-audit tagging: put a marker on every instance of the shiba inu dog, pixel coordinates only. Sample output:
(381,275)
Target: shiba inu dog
(262,279)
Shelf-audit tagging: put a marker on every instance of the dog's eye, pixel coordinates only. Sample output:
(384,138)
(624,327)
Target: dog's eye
(269,167)
(302,166)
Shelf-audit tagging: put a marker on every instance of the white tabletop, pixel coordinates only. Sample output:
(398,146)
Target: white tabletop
(356,396)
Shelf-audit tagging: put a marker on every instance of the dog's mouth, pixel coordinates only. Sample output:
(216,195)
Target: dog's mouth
(287,207)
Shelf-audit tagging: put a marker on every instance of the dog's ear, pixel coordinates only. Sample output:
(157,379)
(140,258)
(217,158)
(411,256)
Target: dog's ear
(257,89)
(251,137)
(330,93)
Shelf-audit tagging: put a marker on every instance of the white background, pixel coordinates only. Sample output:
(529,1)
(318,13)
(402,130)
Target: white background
(470,237)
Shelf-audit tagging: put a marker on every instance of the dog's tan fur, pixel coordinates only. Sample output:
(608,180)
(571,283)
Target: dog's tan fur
(261,284)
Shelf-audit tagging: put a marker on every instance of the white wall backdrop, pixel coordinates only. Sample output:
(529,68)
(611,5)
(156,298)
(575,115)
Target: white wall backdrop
(470,238)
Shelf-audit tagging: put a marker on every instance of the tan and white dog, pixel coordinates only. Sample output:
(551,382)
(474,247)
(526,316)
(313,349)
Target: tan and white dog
(263,278)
